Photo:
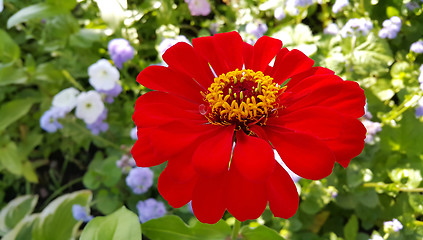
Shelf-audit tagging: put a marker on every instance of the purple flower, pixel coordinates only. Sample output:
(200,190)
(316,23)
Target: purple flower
(99,125)
(126,163)
(391,28)
(392,226)
(419,109)
(48,120)
(372,129)
(150,209)
(417,47)
(140,180)
(279,13)
(199,7)
(134,134)
(331,29)
(339,5)
(356,25)
(112,93)
(412,5)
(256,29)
(120,51)
(80,213)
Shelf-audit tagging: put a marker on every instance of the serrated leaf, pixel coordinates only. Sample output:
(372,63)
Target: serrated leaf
(259,233)
(15,211)
(36,11)
(122,224)
(172,227)
(56,220)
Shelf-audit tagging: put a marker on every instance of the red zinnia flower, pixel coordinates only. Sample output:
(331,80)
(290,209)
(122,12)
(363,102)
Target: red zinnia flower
(220,109)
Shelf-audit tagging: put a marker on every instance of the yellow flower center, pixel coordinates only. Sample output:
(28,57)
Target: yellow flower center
(241,97)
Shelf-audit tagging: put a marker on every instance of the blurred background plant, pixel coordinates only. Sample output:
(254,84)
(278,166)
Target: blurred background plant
(67,91)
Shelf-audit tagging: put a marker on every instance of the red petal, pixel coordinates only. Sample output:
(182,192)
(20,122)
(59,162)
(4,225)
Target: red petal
(209,200)
(164,79)
(351,142)
(180,167)
(245,199)
(207,48)
(183,58)
(292,63)
(303,154)
(311,72)
(253,157)
(282,194)
(265,49)
(175,137)
(248,52)
(212,157)
(175,193)
(320,122)
(232,45)
(144,154)
(313,82)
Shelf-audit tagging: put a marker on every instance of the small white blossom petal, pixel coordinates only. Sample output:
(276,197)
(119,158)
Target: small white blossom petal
(65,99)
(89,106)
(103,76)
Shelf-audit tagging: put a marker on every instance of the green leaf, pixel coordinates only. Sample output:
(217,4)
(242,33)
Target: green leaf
(122,224)
(9,50)
(22,231)
(259,233)
(68,4)
(15,211)
(12,75)
(416,202)
(172,227)
(351,228)
(29,173)
(56,220)
(36,11)
(11,158)
(13,110)
(107,202)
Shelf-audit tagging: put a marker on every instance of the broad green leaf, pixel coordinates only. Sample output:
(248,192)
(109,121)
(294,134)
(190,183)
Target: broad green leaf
(22,231)
(68,4)
(12,75)
(11,159)
(172,227)
(15,211)
(13,110)
(259,233)
(56,220)
(416,202)
(107,202)
(122,224)
(9,50)
(351,228)
(36,11)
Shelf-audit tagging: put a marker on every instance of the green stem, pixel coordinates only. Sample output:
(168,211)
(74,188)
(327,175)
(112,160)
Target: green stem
(60,190)
(399,189)
(235,229)
(402,108)
(72,80)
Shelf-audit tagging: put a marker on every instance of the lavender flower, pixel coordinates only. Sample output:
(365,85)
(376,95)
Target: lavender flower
(150,209)
(48,120)
(199,7)
(134,135)
(256,29)
(279,13)
(293,6)
(99,125)
(120,51)
(140,180)
(356,25)
(412,5)
(126,163)
(392,226)
(417,47)
(331,29)
(372,129)
(80,213)
(1,6)
(112,93)
(339,5)
(419,109)
(391,28)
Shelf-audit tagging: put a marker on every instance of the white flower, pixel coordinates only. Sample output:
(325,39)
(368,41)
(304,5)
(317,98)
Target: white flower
(65,99)
(103,76)
(89,106)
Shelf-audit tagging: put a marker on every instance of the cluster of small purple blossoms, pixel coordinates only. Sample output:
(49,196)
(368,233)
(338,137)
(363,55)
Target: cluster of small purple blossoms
(99,125)
(419,109)
(126,163)
(412,5)
(392,226)
(331,29)
(120,51)
(150,209)
(339,5)
(134,133)
(293,7)
(417,47)
(279,13)
(140,179)
(356,25)
(391,28)
(199,7)
(49,120)
(372,127)
(256,29)
(80,213)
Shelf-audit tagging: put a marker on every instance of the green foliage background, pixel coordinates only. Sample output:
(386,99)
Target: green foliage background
(47,46)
